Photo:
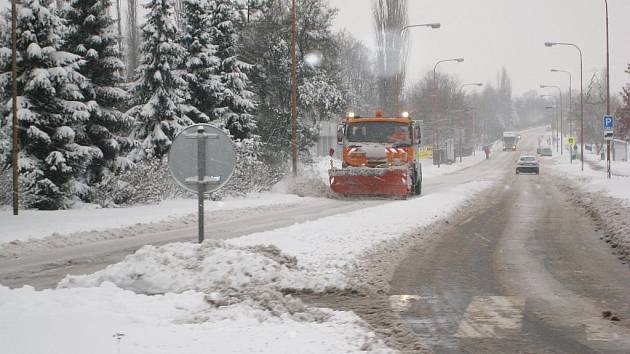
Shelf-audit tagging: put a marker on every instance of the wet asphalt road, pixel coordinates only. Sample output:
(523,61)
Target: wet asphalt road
(524,272)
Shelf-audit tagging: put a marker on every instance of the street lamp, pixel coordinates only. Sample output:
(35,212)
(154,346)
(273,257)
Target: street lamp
(551,44)
(398,80)
(570,89)
(561,118)
(607,65)
(607,89)
(556,114)
(458,60)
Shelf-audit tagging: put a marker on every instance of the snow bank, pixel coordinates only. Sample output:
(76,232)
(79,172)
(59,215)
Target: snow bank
(84,320)
(317,255)
(37,224)
(213,266)
(595,180)
(327,249)
(606,200)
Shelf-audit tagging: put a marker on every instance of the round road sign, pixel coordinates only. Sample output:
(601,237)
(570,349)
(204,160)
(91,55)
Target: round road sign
(216,150)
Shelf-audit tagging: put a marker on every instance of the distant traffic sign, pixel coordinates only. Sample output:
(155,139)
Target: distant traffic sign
(571,140)
(609,123)
(609,127)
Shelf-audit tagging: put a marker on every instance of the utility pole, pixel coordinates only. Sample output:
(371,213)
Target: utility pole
(14,121)
(294,88)
(607,90)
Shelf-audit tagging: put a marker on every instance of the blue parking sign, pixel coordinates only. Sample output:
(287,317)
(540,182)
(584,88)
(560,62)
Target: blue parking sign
(609,123)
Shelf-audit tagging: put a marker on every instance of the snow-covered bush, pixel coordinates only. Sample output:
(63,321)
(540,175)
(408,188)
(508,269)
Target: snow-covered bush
(147,182)
(150,181)
(251,174)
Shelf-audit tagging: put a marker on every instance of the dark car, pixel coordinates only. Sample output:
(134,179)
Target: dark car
(527,164)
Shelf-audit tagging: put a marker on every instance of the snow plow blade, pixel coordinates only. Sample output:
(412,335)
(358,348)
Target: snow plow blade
(370,181)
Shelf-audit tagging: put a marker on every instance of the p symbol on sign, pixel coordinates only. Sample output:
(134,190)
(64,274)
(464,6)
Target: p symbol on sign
(609,122)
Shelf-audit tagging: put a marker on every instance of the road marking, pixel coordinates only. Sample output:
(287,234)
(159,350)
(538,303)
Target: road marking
(491,316)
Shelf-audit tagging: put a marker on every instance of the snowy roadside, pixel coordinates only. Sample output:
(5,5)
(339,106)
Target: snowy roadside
(594,180)
(84,320)
(606,200)
(35,230)
(229,295)
(39,223)
(316,255)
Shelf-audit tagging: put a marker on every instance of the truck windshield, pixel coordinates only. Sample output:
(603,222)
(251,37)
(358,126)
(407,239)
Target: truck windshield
(379,132)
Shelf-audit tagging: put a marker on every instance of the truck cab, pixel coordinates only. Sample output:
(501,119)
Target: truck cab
(379,145)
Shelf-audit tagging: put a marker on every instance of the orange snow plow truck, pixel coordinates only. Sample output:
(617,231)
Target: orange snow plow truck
(380,157)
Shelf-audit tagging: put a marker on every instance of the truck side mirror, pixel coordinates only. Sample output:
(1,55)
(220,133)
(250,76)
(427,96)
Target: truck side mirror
(417,133)
(340,133)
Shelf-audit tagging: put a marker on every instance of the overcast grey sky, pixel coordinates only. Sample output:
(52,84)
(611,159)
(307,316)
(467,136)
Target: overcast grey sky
(490,34)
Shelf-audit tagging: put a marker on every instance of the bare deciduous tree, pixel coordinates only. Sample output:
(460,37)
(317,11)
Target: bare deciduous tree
(390,17)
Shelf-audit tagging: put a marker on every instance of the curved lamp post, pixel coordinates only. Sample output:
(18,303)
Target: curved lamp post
(459,60)
(551,44)
(434,25)
(556,115)
(561,118)
(570,89)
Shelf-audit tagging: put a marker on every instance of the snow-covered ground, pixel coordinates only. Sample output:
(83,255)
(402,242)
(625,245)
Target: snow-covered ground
(595,180)
(225,295)
(37,224)
(325,250)
(84,320)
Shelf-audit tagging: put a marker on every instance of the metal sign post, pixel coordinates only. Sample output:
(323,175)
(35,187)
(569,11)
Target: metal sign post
(201,137)
(571,141)
(609,128)
(215,156)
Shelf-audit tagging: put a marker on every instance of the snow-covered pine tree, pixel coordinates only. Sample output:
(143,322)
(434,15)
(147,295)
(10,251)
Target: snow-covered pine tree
(202,65)
(50,106)
(237,103)
(91,35)
(160,92)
